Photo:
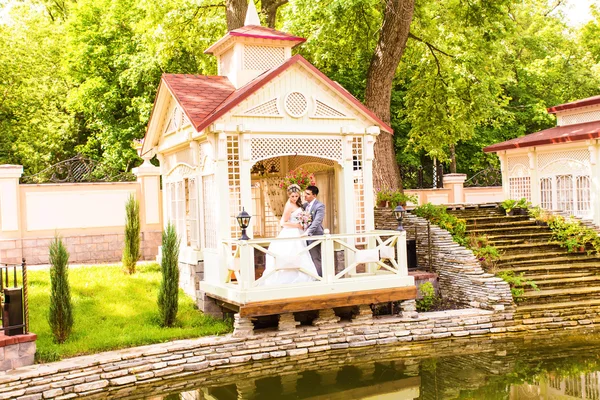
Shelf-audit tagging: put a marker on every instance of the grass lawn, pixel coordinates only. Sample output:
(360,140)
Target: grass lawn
(112,310)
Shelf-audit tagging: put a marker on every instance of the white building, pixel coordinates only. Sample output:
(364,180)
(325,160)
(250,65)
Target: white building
(557,168)
(225,142)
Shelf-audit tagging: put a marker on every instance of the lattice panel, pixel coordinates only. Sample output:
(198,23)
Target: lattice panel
(575,161)
(268,108)
(263,57)
(583,204)
(233,172)
(518,166)
(359,189)
(263,148)
(296,104)
(225,63)
(519,188)
(579,118)
(209,208)
(192,213)
(180,172)
(546,193)
(323,110)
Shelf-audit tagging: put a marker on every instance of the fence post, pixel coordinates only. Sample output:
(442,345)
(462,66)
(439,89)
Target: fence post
(455,182)
(25,295)
(148,177)
(429,269)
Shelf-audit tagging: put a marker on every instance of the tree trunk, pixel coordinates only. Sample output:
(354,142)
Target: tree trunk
(269,9)
(452,159)
(386,57)
(235,13)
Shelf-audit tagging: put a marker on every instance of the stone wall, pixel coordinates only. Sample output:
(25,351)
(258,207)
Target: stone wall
(83,249)
(16,351)
(461,278)
(176,365)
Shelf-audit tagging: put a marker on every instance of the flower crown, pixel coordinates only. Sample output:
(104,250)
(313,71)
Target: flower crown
(294,188)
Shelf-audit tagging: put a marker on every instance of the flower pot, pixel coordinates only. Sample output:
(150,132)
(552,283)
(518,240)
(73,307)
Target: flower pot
(541,223)
(382,204)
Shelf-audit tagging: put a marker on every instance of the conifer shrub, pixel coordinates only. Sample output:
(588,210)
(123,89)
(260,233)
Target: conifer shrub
(131,248)
(60,315)
(168,294)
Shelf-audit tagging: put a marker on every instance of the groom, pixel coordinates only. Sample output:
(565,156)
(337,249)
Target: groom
(317,211)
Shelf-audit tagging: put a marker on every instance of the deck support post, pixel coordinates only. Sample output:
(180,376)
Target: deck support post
(246,389)
(326,317)
(409,309)
(288,383)
(364,316)
(242,327)
(287,322)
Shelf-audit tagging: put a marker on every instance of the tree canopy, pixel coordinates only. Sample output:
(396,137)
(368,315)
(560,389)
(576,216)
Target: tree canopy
(81,76)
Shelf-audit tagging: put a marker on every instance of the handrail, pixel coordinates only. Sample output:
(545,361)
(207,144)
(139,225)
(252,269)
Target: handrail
(311,238)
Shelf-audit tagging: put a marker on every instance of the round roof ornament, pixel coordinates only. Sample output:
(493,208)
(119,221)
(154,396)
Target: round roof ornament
(296,104)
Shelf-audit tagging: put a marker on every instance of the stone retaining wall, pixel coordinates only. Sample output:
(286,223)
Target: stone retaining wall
(17,351)
(461,278)
(83,249)
(124,371)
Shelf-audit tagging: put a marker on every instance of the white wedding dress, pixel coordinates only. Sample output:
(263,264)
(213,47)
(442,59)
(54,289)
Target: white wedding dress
(291,256)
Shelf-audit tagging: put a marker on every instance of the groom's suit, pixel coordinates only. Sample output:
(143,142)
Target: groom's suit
(317,212)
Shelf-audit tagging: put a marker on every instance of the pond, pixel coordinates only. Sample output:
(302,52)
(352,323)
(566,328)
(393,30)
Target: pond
(529,367)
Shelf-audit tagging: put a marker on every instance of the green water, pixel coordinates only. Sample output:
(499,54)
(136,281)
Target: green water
(534,367)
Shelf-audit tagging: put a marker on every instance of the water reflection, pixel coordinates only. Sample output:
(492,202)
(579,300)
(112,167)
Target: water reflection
(565,367)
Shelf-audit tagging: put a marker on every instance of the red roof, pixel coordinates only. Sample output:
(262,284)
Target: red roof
(559,134)
(198,95)
(206,98)
(256,32)
(590,101)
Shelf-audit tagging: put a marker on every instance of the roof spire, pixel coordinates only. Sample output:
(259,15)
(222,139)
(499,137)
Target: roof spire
(251,15)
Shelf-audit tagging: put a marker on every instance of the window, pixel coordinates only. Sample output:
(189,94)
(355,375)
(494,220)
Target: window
(520,187)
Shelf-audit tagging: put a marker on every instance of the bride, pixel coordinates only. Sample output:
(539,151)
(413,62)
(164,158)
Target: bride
(292,255)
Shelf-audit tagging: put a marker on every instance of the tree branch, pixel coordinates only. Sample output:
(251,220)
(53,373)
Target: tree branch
(431,47)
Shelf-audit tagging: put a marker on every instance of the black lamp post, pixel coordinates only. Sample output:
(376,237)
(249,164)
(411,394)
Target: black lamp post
(244,220)
(399,212)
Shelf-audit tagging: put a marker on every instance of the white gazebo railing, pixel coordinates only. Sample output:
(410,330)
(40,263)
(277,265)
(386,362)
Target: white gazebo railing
(380,263)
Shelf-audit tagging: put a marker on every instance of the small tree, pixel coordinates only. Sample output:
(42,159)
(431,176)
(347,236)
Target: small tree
(131,250)
(168,294)
(60,316)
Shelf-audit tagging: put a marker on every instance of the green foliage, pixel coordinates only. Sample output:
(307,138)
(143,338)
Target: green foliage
(487,254)
(60,311)
(509,205)
(131,248)
(112,312)
(169,285)
(573,235)
(428,299)
(439,216)
(395,197)
(516,283)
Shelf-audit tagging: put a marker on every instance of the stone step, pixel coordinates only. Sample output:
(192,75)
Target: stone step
(491,226)
(567,305)
(558,295)
(559,275)
(531,270)
(572,258)
(496,219)
(528,248)
(513,239)
(570,282)
(509,230)
(541,256)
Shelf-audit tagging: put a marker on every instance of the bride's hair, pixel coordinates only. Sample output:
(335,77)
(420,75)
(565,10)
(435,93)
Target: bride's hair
(295,189)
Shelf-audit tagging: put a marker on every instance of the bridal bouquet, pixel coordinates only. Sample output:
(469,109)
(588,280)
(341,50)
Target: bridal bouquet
(304,218)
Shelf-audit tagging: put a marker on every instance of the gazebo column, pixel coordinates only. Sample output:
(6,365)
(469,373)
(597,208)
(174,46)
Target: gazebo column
(504,172)
(223,225)
(533,176)
(245,175)
(369,156)
(347,196)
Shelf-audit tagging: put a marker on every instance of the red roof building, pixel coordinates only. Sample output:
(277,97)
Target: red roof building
(557,168)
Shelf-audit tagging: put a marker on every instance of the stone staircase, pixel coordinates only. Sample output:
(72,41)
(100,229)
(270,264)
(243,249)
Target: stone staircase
(564,280)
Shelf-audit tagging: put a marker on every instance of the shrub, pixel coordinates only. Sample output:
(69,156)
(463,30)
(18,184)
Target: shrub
(169,285)
(60,315)
(573,235)
(509,205)
(439,216)
(516,283)
(131,249)
(487,254)
(395,197)
(429,299)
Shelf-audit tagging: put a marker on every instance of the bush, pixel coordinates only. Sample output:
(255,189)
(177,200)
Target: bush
(516,283)
(131,249)
(439,216)
(169,286)
(60,315)
(573,235)
(429,298)
(395,197)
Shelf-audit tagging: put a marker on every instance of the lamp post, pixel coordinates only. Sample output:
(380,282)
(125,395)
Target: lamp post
(399,212)
(243,220)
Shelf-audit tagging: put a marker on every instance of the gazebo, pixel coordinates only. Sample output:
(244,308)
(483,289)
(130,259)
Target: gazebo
(225,142)
(557,168)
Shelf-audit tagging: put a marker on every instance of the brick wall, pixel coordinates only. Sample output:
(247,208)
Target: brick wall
(83,249)
(17,351)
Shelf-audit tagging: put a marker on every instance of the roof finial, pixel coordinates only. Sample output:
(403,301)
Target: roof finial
(251,15)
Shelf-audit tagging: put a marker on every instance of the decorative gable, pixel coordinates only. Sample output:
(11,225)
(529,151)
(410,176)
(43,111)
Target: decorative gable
(323,110)
(266,109)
